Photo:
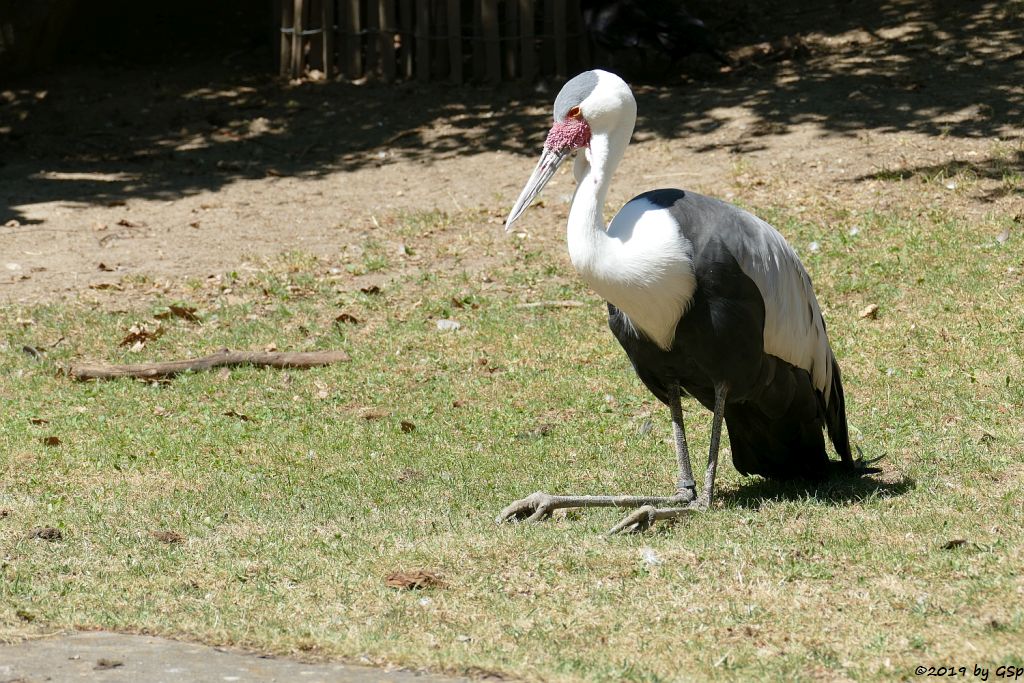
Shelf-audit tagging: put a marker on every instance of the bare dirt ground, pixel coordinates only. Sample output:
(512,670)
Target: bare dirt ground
(174,172)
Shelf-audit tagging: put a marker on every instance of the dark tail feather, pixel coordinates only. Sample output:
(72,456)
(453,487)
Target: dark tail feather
(835,418)
(780,439)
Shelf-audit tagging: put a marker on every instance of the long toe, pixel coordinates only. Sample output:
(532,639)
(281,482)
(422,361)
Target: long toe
(534,507)
(639,520)
(644,518)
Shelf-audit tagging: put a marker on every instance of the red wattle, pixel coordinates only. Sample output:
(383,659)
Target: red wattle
(568,134)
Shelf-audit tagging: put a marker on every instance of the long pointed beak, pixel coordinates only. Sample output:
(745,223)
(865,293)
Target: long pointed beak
(546,167)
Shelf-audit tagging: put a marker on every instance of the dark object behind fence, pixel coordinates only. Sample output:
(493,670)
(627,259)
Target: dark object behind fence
(433,40)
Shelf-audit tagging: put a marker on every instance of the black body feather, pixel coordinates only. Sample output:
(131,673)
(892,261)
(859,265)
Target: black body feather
(774,415)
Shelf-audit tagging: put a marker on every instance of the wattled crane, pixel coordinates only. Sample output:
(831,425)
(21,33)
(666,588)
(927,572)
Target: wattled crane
(707,300)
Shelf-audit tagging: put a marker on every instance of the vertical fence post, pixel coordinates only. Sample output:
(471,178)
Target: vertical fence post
(491,36)
(423,40)
(284,38)
(561,40)
(508,46)
(327,22)
(455,41)
(582,37)
(351,39)
(405,33)
(298,56)
(372,42)
(528,47)
(314,43)
(387,39)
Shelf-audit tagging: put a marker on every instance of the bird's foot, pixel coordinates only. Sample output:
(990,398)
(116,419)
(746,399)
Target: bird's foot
(540,505)
(644,518)
(534,507)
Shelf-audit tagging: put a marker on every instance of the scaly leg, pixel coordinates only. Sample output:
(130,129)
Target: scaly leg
(540,505)
(686,482)
(644,517)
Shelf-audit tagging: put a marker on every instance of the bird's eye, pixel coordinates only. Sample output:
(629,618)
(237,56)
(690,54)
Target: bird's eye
(574,113)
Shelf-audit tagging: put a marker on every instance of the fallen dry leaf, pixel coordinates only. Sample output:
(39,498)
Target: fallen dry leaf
(167,536)
(46,533)
(174,311)
(415,579)
(870,311)
(409,474)
(51,441)
(138,335)
(103,664)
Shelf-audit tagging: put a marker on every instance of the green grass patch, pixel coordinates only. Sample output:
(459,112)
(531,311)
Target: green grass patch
(266,508)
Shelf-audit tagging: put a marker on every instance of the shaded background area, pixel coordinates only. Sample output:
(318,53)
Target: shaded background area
(161,101)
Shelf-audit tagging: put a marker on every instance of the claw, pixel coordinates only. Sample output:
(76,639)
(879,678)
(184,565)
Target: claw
(643,518)
(533,508)
(635,522)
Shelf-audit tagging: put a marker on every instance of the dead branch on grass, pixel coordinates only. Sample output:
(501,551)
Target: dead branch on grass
(223,358)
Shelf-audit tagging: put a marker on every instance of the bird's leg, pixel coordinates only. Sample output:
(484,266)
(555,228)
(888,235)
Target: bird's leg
(644,517)
(704,500)
(686,482)
(540,505)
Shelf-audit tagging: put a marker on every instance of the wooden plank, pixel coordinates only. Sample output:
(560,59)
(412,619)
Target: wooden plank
(351,37)
(561,40)
(405,33)
(477,59)
(327,21)
(579,59)
(372,38)
(528,47)
(508,42)
(284,56)
(547,47)
(387,39)
(298,61)
(439,67)
(455,41)
(491,37)
(423,40)
(313,48)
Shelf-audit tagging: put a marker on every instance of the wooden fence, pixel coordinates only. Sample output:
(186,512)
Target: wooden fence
(432,40)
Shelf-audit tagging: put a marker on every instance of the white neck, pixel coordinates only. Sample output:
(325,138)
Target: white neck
(593,169)
(641,263)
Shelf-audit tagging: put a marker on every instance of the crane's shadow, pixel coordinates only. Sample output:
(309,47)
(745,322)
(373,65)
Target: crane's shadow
(755,492)
(75,135)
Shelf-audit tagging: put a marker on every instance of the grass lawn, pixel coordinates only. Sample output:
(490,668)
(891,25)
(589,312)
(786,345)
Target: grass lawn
(266,508)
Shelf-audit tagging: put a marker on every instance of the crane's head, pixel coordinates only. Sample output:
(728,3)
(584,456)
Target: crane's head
(592,103)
